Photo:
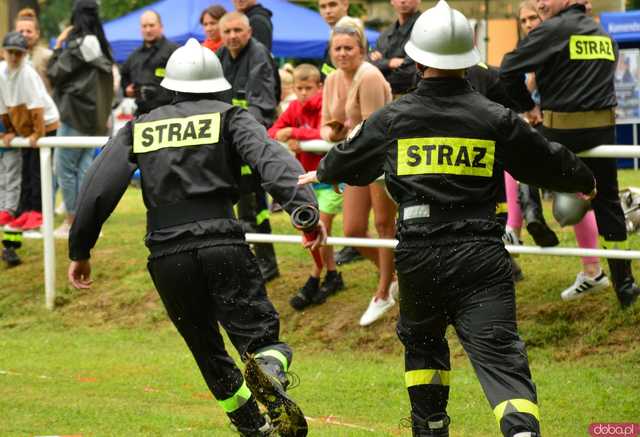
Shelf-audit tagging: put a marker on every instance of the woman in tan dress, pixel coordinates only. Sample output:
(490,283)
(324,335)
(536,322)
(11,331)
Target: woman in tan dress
(352,93)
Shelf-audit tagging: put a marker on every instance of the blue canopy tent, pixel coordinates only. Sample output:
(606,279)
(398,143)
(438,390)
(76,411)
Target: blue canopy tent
(624,27)
(298,32)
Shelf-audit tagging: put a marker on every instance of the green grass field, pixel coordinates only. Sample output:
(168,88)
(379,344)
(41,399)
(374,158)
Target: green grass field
(107,362)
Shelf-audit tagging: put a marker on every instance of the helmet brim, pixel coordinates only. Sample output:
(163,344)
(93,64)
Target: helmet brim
(441,61)
(18,48)
(196,86)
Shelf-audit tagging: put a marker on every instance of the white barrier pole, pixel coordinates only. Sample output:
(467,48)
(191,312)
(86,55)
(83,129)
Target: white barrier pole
(47,225)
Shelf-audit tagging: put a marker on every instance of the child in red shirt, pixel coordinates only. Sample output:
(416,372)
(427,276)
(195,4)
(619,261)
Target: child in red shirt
(300,122)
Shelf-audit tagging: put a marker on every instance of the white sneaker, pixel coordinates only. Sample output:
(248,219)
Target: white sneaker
(585,285)
(62,231)
(376,309)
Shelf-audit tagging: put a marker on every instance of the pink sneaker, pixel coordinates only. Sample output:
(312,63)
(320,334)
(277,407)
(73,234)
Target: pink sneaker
(6,218)
(34,221)
(20,221)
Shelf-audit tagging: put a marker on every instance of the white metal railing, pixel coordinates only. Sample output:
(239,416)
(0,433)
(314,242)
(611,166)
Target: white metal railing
(45,145)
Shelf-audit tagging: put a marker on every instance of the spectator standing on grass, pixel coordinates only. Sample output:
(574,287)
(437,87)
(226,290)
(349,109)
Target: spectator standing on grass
(301,122)
(144,69)
(27,111)
(389,55)
(27,24)
(210,22)
(255,83)
(351,94)
(259,20)
(81,74)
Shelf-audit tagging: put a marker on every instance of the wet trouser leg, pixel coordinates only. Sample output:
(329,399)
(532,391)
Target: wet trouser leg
(253,212)
(467,285)
(202,287)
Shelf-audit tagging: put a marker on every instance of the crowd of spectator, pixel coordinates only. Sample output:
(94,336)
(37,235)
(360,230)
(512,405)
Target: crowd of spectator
(69,91)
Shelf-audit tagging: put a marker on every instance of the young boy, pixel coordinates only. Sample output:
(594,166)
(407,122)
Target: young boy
(28,111)
(10,178)
(301,121)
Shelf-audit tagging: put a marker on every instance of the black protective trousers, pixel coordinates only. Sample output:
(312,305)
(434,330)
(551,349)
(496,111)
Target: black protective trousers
(219,284)
(466,284)
(606,204)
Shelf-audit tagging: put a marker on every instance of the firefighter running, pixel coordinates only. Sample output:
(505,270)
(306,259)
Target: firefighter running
(189,154)
(443,149)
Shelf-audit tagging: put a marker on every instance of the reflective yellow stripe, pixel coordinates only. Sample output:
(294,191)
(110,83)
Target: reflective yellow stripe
(275,354)
(176,132)
(238,399)
(590,47)
(160,72)
(501,208)
(245,170)
(445,155)
(614,245)
(15,237)
(426,376)
(262,216)
(242,103)
(327,69)
(516,406)
(482,65)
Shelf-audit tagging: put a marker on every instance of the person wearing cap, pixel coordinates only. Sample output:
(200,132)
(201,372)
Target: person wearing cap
(190,154)
(144,69)
(443,149)
(27,111)
(574,61)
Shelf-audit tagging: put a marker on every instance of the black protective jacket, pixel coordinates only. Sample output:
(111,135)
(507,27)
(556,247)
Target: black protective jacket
(391,44)
(185,151)
(145,68)
(486,80)
(574,60)
(253,80)
(261,26)
(446,145)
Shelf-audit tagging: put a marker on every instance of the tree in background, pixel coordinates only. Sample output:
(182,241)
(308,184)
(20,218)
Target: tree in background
(55,14)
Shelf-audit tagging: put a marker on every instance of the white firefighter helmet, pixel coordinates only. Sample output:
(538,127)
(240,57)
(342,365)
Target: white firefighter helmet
(442,38)
(569,209)
(193,68)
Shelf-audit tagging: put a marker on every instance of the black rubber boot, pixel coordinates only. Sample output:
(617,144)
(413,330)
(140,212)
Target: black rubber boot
(249,422)
(537,227)
(623,282)
(266,254)
(267,380)
(308,295)
(436,425)
(10,256)
(348,255)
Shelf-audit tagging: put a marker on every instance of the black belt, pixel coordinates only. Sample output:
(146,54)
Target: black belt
(434,213)
(188,211)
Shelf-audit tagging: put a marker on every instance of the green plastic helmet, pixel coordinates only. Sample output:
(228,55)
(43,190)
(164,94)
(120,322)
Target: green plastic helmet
(193,68)
(443,38)
(569,209)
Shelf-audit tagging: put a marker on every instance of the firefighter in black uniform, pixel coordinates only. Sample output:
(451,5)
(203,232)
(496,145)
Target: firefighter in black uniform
(443,149)
(144,69)
(189,154)
(255,86)
(575,60)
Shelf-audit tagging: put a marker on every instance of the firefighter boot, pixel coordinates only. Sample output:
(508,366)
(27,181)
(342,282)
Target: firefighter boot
(537,227)
(436,425)
(249,422)
(623,282)
(266,254)
(10,256)
(266,378)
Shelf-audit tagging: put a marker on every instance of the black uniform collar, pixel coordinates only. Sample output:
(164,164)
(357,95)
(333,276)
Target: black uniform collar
(443,86)
(576,7)
(154,45)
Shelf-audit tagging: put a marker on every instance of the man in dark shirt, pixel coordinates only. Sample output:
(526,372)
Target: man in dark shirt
(143,71)
(389,56)
(259,20)
(331,12)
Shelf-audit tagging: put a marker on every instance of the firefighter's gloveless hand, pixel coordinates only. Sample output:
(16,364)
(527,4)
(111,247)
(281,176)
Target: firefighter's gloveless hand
(308,178)
(321,238)
(79,274)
